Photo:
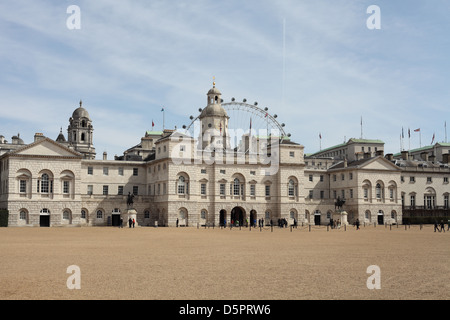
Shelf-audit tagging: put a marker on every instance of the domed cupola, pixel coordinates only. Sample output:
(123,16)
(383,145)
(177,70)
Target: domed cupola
(80,132)
(214,122)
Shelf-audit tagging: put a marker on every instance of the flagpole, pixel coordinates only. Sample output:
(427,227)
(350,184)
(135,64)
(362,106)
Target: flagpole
(445,125)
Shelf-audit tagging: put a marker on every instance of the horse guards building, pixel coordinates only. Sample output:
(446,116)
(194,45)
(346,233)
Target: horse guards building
(173,179)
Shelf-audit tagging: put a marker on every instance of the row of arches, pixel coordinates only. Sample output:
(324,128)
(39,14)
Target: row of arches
(237,216)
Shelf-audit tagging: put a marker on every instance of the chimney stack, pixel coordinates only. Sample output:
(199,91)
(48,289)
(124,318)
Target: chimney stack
(38,136)
(405,155)
(105,156)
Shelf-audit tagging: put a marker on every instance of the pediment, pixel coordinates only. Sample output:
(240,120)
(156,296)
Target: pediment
(379,163)
(48,148)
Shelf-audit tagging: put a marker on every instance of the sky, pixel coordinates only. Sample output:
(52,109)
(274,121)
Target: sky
(316,64)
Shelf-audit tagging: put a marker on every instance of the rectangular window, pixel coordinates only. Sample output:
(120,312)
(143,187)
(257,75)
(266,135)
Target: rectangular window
(120,171)
(311,194)
(203,171)
(120,190)
(222,189)
(23,186)
(222,171)
(252,190)
(445,179)
(334,194)
(391,193)
(292,154)
(90,189)
(105,190)
(351,175)
(267,191)
(65,187)
(321,178)
(310,177)
(135,190)
(446,202)
(105,171)
(413,200)
(135,171)
(90,170)
(351,193)
(203,189)
(429,179)
(343,194)
(322,194)
(412,179)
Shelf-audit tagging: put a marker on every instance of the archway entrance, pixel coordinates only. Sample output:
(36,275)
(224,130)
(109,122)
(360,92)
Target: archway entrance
(237,216)
(222,218)
(317,219)
(44,218)
(253,217)
(380,217)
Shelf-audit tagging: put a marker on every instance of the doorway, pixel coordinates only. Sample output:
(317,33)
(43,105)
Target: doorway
(237,216)
(317,219)
(44,221)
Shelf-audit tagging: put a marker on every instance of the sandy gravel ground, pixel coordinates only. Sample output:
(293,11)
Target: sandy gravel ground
(213,264)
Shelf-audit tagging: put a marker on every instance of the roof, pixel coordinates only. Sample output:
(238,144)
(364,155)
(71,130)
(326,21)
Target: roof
(352,140)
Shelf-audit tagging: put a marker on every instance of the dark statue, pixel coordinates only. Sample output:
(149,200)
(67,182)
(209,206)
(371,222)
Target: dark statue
(339,203)
(130,199)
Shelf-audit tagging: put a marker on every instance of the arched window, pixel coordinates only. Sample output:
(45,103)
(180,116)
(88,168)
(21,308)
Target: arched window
(378,191)
(291,188)
(66,215)
(99,214)
(181,185)
(236,187)
(45,183)
(83,137)
(83,214)
(203,214)
(23,215)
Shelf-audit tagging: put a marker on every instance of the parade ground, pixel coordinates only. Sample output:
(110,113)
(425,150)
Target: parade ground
(225,264)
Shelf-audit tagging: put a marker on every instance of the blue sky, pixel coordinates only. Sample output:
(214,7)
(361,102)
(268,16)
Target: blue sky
(322,75)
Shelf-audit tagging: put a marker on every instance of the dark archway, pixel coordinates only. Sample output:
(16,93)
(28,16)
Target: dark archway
(253,217)
(223,218)
(237,216)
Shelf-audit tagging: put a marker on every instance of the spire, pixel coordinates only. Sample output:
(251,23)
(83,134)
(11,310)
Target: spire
(81,103)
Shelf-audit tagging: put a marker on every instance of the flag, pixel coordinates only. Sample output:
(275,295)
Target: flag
(403,135)
(162,110)
(266,115)
(409,133)
(417,130)
(250,123)
(320,136)
(432,140)
(153,124)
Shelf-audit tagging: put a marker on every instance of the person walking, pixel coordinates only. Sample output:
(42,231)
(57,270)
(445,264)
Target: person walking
(357,224)
(134,221)
(442,225)
(121,223)
(436,226)
(129,222)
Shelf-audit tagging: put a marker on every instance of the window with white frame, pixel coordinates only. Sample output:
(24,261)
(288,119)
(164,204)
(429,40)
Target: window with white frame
(23,186)
(181,185)
(291,188)
(203,189)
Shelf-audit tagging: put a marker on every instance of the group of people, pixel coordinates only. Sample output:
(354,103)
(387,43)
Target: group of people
(441,225)
(335,224)
(131,223)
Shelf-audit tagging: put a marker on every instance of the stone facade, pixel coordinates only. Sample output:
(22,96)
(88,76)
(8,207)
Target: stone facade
(59,183)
